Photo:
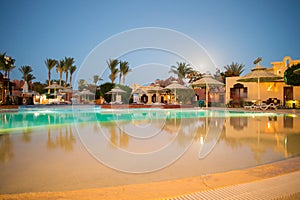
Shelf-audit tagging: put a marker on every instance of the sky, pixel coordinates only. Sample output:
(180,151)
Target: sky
(226,30)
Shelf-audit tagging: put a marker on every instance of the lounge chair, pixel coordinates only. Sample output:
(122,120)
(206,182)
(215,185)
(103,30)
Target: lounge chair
(268,106)
(262,106)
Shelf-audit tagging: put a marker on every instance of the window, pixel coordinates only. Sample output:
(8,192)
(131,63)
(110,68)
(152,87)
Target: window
(278,72)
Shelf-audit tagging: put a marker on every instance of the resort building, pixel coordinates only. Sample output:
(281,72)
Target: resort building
(240,93)
(5,89)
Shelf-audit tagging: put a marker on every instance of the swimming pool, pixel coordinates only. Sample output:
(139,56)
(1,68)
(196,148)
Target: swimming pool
(64,148)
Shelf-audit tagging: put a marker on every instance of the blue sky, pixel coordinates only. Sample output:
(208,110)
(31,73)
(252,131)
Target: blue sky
(238,30)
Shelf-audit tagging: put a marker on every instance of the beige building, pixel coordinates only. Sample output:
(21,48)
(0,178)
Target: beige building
(237,93)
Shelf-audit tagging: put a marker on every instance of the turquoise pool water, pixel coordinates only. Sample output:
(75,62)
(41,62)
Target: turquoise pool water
(66,148)
(32,117)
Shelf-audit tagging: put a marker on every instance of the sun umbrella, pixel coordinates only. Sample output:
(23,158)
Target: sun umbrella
(67,90)
(25,87)
(54,86)
(116,91)
(259,74)
(297,71)
(207,80)
(155,89)
(86,92)
(176,86)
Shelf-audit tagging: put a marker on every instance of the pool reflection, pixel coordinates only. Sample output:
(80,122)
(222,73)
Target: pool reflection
(55,154)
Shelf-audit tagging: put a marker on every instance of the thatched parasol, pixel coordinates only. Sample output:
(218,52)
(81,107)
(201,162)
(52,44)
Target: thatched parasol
(259,74)
(207,80)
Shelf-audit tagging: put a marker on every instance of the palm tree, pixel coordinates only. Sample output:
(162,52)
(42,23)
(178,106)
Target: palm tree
(50,64)
(96,78)
(60,69)
(68,63)
(194,76)
(124,70)
(25,70)
(181,70)
(6,64)
(234,69)
(82,84)
(72,69)
(112,65)
(29,78)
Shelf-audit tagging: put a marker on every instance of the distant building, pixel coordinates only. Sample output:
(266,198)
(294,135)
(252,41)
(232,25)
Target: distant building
(239,93)
(5,89)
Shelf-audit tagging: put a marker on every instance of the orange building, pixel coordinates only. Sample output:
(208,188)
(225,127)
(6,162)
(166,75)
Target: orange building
(239,93)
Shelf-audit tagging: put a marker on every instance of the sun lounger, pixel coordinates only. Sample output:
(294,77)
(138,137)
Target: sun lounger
(262,106)
(268,106)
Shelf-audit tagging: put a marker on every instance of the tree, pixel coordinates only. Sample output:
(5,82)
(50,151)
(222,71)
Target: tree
(29,79)
(82,84)
(25,70)
(6,64)
(194,76)
(39,87)
(50,64)
(124,70)
(220,76)
(72,69)
(104,88)
(68,62)
(60,69)
(96,78)
(112,65)
(181,70)
(234,69)
(290,77)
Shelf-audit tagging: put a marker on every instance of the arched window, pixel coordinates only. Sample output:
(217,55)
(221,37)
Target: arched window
(238,91)
(153,98)
(144,98)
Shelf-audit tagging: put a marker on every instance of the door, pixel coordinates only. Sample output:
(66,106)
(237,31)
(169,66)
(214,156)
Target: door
(287,94)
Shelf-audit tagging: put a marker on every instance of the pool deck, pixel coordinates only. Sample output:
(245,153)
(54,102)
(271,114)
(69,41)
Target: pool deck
(260,180)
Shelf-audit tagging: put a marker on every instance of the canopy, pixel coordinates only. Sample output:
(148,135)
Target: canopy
(67,90)
(176,86)
(259,74)
(297,71)
(25,87)
(207,80)
(54,85)
(116,91)
(86,92)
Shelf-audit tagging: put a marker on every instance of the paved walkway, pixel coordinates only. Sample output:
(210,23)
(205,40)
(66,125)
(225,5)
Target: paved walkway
(272,188)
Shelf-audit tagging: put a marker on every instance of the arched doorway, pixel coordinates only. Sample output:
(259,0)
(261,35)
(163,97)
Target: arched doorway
(144,98)
(237,94)
(153,98)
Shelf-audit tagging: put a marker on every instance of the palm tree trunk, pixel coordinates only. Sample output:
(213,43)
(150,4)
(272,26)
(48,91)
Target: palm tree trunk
(71,80)
(67,76)
(60,78)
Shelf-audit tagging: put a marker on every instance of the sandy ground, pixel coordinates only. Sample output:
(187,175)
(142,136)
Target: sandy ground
(165,189)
